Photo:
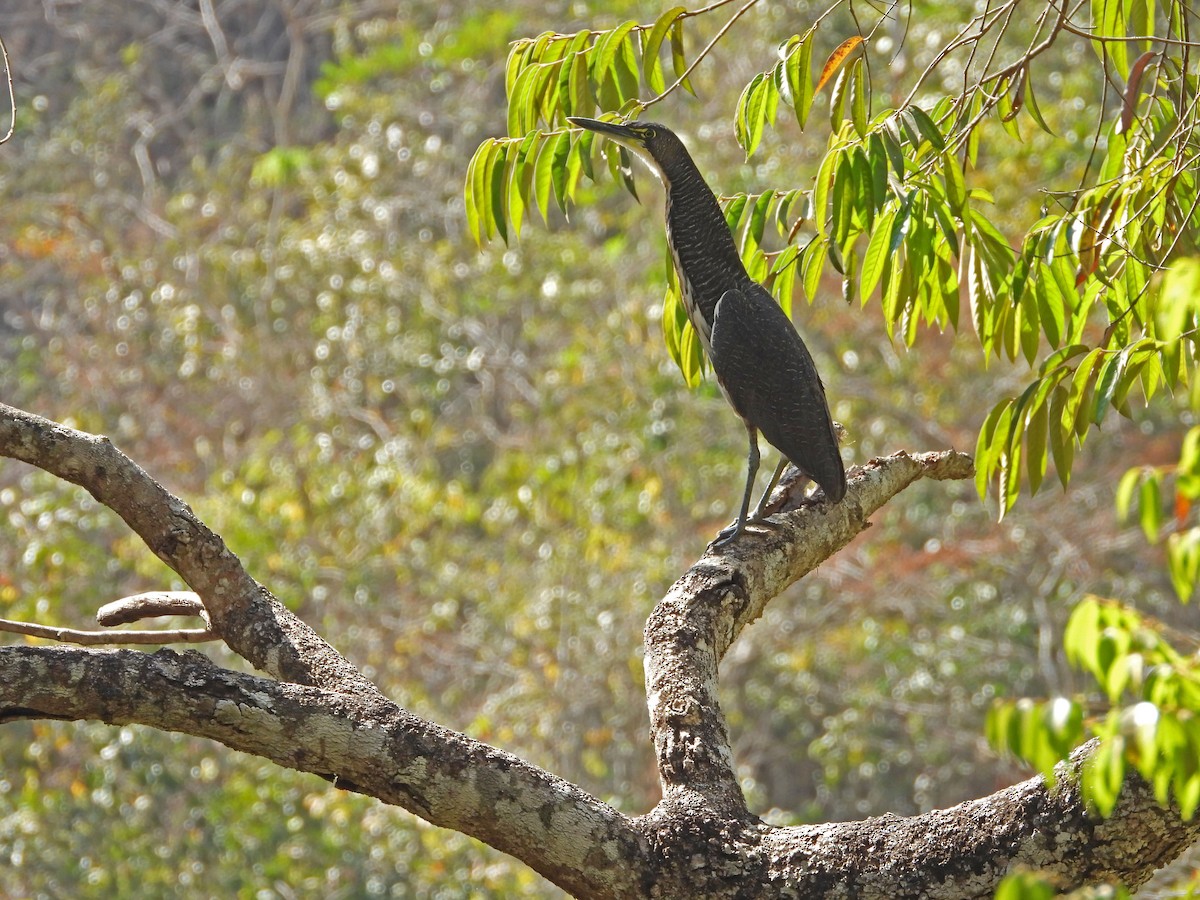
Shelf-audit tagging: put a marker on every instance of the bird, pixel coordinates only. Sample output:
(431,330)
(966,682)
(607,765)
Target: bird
(762,367)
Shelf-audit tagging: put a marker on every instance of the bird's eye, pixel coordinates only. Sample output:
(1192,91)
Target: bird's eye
(649,132)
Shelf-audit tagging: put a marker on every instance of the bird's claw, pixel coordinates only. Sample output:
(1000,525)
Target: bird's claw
(731,531)
(725,535)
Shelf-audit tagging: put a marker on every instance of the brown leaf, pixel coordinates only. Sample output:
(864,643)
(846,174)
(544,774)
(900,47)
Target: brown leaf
(1133,88)
(836,58)
(1182,507)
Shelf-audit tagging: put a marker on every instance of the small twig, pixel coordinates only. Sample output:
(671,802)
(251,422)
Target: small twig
(92,638)
(12,100)
(151,605)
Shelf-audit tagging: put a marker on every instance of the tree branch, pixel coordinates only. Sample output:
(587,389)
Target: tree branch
(962,852)
(242,612)
(362,744)
(682,848)
(704,612)
(700,839)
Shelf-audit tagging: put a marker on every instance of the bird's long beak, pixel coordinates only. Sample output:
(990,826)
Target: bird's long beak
(629,138)
(611,129)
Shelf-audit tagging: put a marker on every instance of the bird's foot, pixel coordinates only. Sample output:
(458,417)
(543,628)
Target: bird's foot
(726,534)
(731,531)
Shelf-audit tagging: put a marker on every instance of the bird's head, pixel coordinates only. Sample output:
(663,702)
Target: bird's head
(656,145)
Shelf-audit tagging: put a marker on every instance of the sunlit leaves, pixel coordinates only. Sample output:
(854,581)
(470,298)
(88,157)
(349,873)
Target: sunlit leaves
(1042,734)
(893,212)
(1147,489)
(791,80)
(553,76)
(1074,388)
(652,72)
(1096,263)
(755,108)
(1151,689)
(1113,21)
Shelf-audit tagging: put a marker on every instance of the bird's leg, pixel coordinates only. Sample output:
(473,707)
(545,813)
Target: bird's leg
(762,504)
(729,533)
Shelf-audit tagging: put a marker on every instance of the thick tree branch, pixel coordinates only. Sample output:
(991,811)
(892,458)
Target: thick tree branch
(963,852)
(362,744)
(242,612)
(682,848)
(700,839)
(704,612)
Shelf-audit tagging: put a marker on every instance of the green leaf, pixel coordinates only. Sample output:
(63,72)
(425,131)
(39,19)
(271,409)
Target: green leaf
(518,57)
(843,201)
(1062,436)
(798,70)
(1026,886)
(471,193)
(1081,636)
(626,70)
(956,186)
(783,214)
(678,60)
(877,252)
(756,227)
(578,86)
(878,160)
(605,51)
(652,72)
(1050,304)
(520,178)
(1179,298)
(1183,562)
(1106,384)
(890,135)
(989,447)
(543,174)
(560,149)
(1108,21)
(812,261)
(1103,774)
(673,319)
(821,190)
(858,97)
(1150,506)
(1032,106)
(523,103)
(751,112)
(1037,431)
(1125,488)
(692,355)
(1076,412)
(733,211)
(837,101)
(926,127)
(498,188)
(481,178)
(783,276)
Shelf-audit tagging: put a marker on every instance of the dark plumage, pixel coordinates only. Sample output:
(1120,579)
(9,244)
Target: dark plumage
(763,368)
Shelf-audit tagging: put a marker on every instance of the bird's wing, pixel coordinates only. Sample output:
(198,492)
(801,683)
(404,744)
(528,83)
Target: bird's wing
(771,380)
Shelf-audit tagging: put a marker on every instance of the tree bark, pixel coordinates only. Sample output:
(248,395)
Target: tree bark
(318,714)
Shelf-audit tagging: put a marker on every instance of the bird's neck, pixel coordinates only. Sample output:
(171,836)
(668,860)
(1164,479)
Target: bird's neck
(704,251)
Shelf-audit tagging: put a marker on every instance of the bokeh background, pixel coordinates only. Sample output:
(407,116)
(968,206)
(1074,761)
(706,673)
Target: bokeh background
(233,240)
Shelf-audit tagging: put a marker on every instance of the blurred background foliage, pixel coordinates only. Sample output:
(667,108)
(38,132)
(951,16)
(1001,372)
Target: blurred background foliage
(234,241)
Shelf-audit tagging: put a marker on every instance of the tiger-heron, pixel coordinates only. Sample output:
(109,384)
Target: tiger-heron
(762,367)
